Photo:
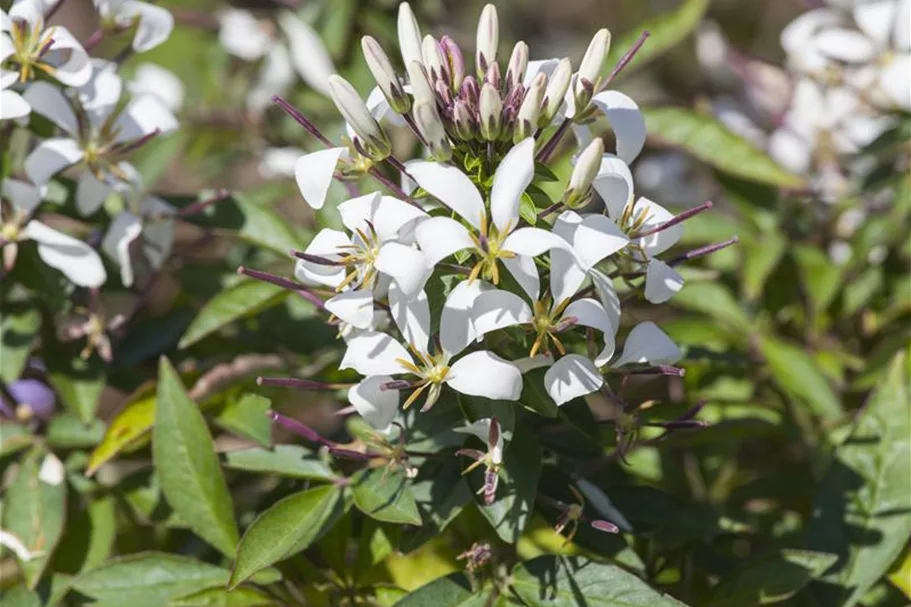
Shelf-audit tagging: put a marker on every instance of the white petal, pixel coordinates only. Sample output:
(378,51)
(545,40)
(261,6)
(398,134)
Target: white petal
(386,214)
(49,101)
(571,377)
(275,77)
(661,282)
(279,162)
(375,405)
(406,265)
(450,186)
(90,193)
(23,195)
(155,24)
(876,20)
(512,177)
(355,307)
(152,79)
(73,65)
(524,270)
(145,115)
(901,37)
(497,310)
(626,121)
(51,471)
(313,173)
(440,237)
(374,353)
(593,237)
(797,38)
(485,374)
(242,34)
(327,243)
(77,260)
(656,215)
(545,66)
(646,343)
(50,157)
(412,316)
(13,105)
(532,242)
(607,295)
(456,326)
(566,275)
(845,45)
(790,150)
(614,183)
(481,430)
(14,544)
(101,93)
(125,229)
(895,81)
(590,313)
(308,53)
(157,236)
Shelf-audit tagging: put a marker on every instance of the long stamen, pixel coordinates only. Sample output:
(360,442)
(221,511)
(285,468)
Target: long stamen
(284,283)
(705,206)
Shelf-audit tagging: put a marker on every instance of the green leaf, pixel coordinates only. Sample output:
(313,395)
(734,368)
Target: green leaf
(246,417)
(78,382)
(222,597)
(285,460)
(130,425)
(517,488)
(550,581)
(527,209)
(244,299)
(821,278)
(285,529)
(798,375)
(771,579)
(187,466)
(68,432)
(761,257)
(89,535)
(715,300)
(862,506)
(666,31)
(453,590)
(711,142)
(34,510)
(149,579)
(441,493)
(385,494)
(19,325)
(13,437)
(263,227)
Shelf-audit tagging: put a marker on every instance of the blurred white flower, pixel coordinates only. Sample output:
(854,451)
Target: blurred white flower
(75,259)
(152,79)
(279,162)
(153,23)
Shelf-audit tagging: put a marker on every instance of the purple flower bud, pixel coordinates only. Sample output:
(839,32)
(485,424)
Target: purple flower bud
(32,399)
(604,526)
(455,60)
(470,92)
(493,75)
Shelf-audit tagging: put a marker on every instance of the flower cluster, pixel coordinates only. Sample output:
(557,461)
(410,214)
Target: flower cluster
(76,115)
(468,277)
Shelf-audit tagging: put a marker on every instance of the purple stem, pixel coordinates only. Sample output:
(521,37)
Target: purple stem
(284,283)
(626,58)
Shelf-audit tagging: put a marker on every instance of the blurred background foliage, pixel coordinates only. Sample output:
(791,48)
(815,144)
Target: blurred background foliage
(783,346)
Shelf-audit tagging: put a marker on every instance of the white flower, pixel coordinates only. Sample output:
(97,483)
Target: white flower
(74,258)
(279,162)
(33,49)
(104,132)
(300,50)
(479,373)
(152,79)
(494,237)
(374,246)
(153,23)
(12,104)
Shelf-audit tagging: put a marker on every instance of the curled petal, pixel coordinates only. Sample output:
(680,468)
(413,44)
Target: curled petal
(571,377)
(661,282)
(90,193)
(74,258)
(375,405)
(143,116)
(23,195)
(656,215)
(457,330)
(309,56)
(614,183)
(512,177)
(590,313)
(450,186)
(524,270)
(485,374)
(374,353)
(532,242)
(314,172)
(327,243)
(626,120)
(406,265)
(411,315)
(440,237)
(155,24)
(50,157)
(646,343)
(497,310)
(386,214)
(242,35)
(607,295)
(593,237)
(124,230)
(49,101)
(354,307)
(13,105)
(73,66)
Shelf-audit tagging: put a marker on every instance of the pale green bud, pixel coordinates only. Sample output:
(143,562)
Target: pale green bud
(580,183)
(488,39)
(409,35)
(353,109)
(590,69)
(491,112)
(556,91)
(432,130)
(385,75)
(420,86)
(530,110)
(518,63)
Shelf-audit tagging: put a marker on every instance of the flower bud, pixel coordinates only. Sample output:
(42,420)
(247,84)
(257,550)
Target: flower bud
(434,62)
(455,61)
(409,35)
(463,121)
(493,75)
(355,112)
(470,92)
(556,91)
(488,39)
(518,63)
(491,112)
(420,86)
(584,173)
(431,128)
(385,75)
(530,110)
(590,68)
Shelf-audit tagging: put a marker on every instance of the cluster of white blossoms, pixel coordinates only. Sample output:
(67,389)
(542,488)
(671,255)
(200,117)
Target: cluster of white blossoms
(95,119)
(457,281)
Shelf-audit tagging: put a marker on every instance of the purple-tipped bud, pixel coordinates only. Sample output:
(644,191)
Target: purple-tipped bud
(491,479)
(385,76)
(455,60)
(463,121)
(493,75)
(530,109)
(605,526)
(298,428)
(434,61)
(488,39)
(518,63)
(470,92)
(32,399)
(491,112)
(421,89)
(396,384)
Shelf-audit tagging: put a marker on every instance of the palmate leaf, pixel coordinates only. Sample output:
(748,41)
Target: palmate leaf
(862,510)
